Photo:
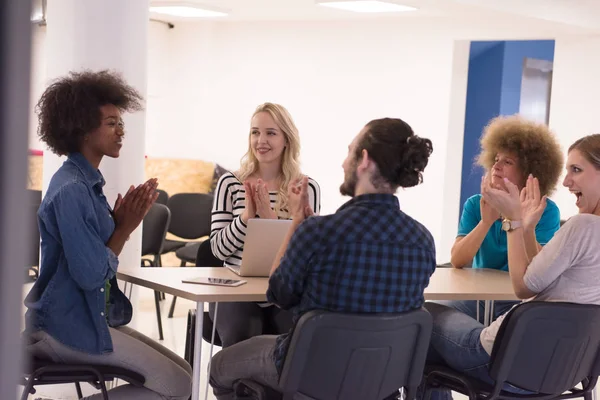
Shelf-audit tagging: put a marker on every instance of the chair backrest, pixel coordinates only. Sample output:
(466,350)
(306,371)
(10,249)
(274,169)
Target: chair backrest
(205,256)
(356,356)
(163,197)
(547,347)
(35,200)
(154,229)
(190,215)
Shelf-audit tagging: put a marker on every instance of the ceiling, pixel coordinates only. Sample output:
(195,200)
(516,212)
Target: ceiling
(575,13)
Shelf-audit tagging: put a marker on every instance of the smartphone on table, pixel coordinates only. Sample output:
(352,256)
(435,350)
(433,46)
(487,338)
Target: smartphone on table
(204,280)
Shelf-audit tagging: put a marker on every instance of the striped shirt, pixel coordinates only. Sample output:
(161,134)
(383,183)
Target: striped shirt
(228,232)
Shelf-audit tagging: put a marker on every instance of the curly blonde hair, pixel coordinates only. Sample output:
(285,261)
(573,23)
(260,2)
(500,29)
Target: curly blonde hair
(535,146)
(290,162)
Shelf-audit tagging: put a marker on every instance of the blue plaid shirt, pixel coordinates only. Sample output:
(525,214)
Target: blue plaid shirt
(368,257)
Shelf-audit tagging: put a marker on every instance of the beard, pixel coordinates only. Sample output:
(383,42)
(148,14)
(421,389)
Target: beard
(348,188)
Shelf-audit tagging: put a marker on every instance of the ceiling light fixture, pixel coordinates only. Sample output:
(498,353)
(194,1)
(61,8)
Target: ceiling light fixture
(185,10)
(366,6)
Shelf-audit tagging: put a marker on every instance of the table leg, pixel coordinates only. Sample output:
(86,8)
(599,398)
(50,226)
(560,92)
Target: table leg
(212,343)
(197,351)
(486,313)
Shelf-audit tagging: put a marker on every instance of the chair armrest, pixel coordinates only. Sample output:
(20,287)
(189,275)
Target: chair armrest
(248,389)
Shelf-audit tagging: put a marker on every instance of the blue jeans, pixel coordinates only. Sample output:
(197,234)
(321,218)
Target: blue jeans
(455,343)
(469,307)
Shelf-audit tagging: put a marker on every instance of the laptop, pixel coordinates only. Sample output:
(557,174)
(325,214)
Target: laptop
(263,239)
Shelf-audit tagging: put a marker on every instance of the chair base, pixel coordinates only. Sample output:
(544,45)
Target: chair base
(444,377)
(44,372)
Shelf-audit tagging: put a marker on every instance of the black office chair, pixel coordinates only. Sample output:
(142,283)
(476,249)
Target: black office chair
(190,219)
(163,197)
(45,372)
(154,230)
(546,348)
(35,200)
(352,357)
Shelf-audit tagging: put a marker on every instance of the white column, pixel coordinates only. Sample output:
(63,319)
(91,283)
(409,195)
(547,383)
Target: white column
(15,47)
(574,102)
(96,35)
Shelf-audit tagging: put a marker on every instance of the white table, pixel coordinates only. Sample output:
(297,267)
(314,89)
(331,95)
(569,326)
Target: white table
(445,284)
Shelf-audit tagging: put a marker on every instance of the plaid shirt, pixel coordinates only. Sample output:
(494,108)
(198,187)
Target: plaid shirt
(368,257)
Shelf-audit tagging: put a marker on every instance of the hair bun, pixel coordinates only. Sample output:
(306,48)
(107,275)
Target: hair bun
(414,159)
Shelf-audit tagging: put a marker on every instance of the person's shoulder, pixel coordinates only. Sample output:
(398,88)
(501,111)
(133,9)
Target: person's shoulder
(311,226)
(417,227)
(473,200)
(229,177)
(551,207)
(67,178)
(72,187)
(583,223)
(228,180)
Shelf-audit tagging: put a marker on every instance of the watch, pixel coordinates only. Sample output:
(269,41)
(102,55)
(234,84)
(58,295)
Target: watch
(508,225)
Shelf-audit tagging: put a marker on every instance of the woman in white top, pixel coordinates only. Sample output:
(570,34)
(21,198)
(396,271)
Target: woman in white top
(270,164)
(566,269)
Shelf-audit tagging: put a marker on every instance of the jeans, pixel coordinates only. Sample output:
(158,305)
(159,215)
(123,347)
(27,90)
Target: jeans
(469,307)
(168,376)
(455,343)
(237,322)
(250,359)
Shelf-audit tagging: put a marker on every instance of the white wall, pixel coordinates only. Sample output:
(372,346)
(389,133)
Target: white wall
(575,101)
(38,81)
(159,73)
(333,80)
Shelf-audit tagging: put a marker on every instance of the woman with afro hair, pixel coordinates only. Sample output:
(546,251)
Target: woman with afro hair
(512,148)
(76,312)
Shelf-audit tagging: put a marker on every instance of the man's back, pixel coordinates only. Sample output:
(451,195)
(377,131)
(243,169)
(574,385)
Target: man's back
(368,257)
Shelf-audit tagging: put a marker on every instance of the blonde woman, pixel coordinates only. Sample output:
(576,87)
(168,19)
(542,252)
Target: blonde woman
(269,165)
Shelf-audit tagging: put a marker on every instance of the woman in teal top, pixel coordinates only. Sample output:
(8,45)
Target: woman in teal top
(512,148)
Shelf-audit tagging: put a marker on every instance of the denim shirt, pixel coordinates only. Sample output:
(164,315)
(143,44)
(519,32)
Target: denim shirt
(68,301)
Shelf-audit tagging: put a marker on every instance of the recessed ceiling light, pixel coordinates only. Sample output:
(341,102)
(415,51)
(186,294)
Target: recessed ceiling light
(186,11)
(367,6)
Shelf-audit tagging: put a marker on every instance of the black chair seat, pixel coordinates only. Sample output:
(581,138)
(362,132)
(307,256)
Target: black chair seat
(379,353)
(47,372)
(188,253)
(52,372)
(546,348)
(447,378)
(172,245)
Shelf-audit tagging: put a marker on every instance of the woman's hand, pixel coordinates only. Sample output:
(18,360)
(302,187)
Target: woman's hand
(298,200)
(130,210)
(532,204)
(250,206)
(489,214)
(263,201)
(508,202)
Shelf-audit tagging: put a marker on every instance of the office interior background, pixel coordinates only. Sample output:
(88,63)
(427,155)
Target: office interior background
(446,68)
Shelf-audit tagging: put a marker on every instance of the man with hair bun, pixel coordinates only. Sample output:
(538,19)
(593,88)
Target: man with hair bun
(368,257)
